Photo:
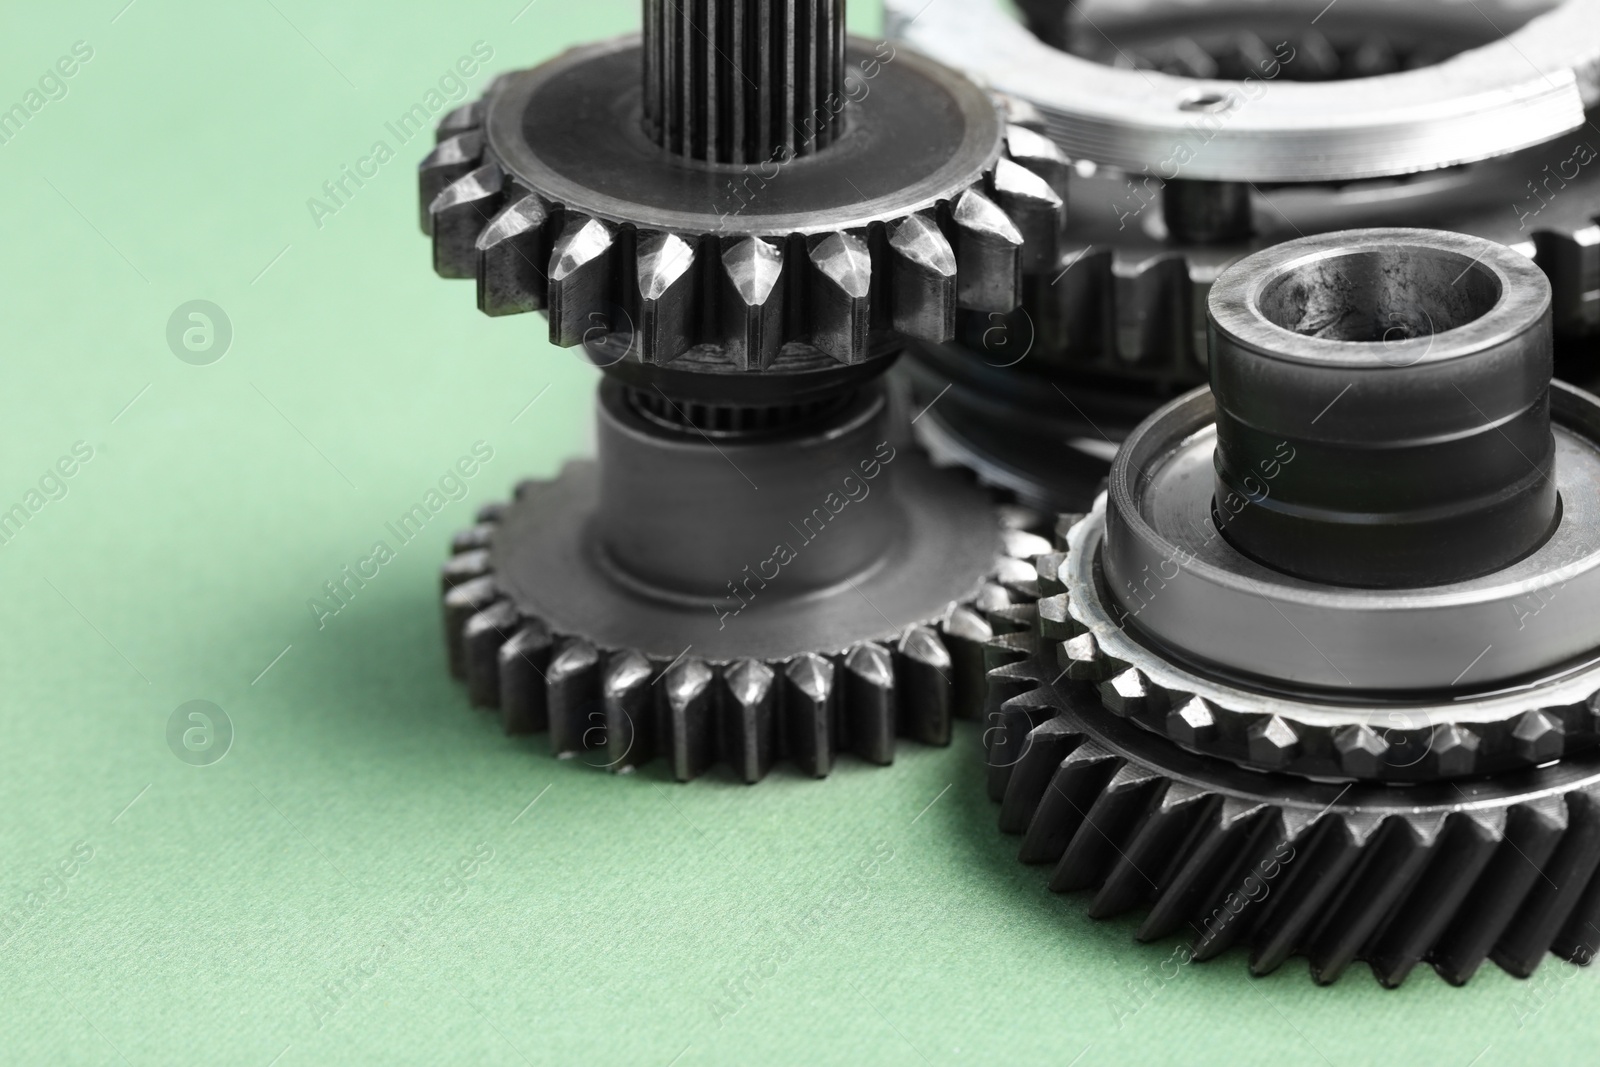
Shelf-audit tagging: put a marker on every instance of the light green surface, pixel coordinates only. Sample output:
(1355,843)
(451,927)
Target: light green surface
(294,900)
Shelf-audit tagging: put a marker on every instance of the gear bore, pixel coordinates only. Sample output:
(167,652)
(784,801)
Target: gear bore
(739,216)
(1320,673)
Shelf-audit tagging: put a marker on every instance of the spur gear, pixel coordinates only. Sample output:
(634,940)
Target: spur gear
(739,215)
(1339,605)
(1121,327)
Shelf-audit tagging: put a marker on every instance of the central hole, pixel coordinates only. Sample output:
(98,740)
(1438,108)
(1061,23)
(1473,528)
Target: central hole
(1380,295)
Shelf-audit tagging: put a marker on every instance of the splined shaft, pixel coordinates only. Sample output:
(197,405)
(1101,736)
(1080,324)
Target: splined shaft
(743,81)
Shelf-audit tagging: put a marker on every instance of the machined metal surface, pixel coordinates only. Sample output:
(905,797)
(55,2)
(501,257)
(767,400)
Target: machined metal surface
(1510,94)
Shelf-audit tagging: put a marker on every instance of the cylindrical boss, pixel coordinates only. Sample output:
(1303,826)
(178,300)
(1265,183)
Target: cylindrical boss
(1383,407)
(812,504)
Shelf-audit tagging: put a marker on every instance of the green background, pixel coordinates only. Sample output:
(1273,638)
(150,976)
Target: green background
(294,902)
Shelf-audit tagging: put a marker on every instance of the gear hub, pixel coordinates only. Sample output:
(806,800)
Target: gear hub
(739,215)
(1341,608)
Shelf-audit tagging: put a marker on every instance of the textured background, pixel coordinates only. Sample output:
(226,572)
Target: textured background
(302,897)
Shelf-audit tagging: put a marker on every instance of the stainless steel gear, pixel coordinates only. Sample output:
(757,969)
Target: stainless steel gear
(1365,555)
(739,216)
(1121,327)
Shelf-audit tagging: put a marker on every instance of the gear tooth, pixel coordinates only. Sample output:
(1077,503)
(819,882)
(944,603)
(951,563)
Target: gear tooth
(1023,545)
(1048,568)
(1387,870)
(1579,938)
(668,298)
(1006,650)
(1360,749)
(513,251)
(460,212)
(1532,832)
(463,567)
(461,603)
(923,272)
(988,255)
(493,512)
(1159,834)
(841,290)
(923,677)
(524,662)
(965,634)
(1081,660)
(629,716)
(481,637)
(1042,752)
(1037,211)
(1538,737)
(1453,750)
(1017,574)
(1271,742)
(1249,836)
(1079,779)
(868,713)
(749,698)
(1193,722)
(691,728)
(1019,112)
(1005,742)
(1018,618)
(581,280)
(752,303)
(468,116)
(991,598)
(1557,894)
(1042,156)
(572,689)
(1132,695)
(1055,619)
(451,159)
(1064,524)
(1462,851)
(1196,887)
(1107,825)
(1311,881)
(472,538)
(808,709)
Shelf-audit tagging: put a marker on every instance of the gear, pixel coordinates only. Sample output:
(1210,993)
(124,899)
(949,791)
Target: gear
(1365,554)
(1121,327)
(740,216)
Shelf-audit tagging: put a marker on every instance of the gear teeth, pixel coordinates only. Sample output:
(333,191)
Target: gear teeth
(923,679)
(752,303)
(841,288)
(1532,832)
(524,665)
(965,634)
(460,604)
(1453,750)
(1361,750)
(473,537)
(1311,881)
(1537,737)
(691,726)
(459,214)
(1062,812)
(749,699)
(667,296)
(463,567)
(482,635)
(869,703)
(1055,619)
(513,251)
(1081,660)
(629,715)
(451,160)
(1556,893)
(581,271)
(988,255)
(1037,211)
(1195,889)
(1042,156)
(1132,695)
(1107,825)
(468,116)
(573,694)
(1042,752)
(1175,809)
(808,710)
(923,273)
(1387,871)
(1193,722)
(1271,742)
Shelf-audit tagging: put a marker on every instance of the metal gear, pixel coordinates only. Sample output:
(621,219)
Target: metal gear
(1342,605)
(1121,327)
(739,216)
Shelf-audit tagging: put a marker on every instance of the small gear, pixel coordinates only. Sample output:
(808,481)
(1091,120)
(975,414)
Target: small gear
(1120,329)
(739,216)
(1318,673)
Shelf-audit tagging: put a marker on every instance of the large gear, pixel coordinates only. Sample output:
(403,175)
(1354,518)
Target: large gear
(1342,604)
(740,216)
(1121,327)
